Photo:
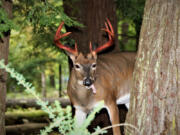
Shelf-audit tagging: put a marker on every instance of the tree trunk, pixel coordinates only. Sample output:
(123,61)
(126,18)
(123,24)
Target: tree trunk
(155,97)
(60,81)
(4,50)
(52,80)
(92,14)
(43,84)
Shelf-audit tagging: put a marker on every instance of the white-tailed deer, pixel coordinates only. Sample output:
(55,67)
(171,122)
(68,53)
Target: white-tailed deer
(94,78)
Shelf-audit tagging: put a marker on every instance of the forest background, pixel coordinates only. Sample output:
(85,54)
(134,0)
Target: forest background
(27,30)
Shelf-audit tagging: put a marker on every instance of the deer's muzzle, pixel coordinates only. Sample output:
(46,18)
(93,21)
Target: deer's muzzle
(87,82)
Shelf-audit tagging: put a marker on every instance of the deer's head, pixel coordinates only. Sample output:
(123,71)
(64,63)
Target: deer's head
(84,66)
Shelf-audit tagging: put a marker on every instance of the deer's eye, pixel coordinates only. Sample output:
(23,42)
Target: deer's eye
(94,65)
(77,66)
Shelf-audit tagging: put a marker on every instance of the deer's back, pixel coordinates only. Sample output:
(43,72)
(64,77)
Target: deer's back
(114,73)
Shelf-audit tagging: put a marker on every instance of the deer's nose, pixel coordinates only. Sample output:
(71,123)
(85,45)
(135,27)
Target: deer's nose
(87,82)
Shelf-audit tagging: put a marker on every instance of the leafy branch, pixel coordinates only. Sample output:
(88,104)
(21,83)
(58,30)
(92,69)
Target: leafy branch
(6,24)
(61,118)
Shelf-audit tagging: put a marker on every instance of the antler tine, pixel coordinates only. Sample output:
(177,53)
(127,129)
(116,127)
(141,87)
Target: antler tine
(90,47)
(109,29)
(58,36)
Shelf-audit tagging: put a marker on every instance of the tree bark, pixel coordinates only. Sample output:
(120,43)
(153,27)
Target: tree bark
(4,50)
(92,14)
(43,84)
(155,97)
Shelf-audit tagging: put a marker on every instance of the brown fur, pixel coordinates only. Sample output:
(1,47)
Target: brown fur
(113,79)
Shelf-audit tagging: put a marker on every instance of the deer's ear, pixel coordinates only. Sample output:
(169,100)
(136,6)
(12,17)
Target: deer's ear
(72,56)
(94,54)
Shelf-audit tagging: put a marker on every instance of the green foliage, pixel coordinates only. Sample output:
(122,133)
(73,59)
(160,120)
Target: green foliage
(32,61)
(32,48)
(44,17)
(42,13)
(61,118)
(5,23)
(132,9)
(131,13)
(130,36)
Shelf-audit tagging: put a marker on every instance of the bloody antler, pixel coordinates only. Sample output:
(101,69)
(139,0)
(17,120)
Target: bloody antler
(59,36)
(110,31)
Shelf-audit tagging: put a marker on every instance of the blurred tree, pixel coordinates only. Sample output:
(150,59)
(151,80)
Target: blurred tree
(60,81)
(92,14)
(43,83)
(155,97)
(52,80)
(5,26)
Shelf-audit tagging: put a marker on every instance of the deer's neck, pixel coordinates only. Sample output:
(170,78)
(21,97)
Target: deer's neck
(81,95)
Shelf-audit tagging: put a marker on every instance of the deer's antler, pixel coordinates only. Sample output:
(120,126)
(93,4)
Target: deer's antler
(110,31)
(58,36)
